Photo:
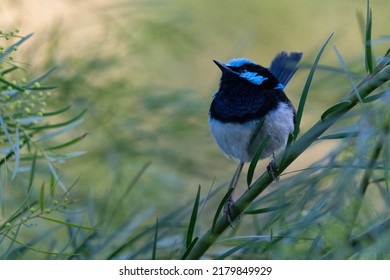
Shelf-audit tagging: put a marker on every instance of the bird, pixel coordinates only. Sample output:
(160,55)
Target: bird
(250,105)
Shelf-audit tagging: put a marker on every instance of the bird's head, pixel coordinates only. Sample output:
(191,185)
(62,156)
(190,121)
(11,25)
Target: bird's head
(244,72)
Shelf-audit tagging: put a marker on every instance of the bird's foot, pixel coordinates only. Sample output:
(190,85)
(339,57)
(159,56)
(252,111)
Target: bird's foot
(271,168)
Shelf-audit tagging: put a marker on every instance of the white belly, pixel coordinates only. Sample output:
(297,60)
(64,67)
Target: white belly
(234,138)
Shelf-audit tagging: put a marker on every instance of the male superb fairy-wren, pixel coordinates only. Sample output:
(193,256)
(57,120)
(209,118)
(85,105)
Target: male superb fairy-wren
(249,105)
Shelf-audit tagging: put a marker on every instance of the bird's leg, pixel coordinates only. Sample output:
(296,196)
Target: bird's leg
(271,168)
(230,201)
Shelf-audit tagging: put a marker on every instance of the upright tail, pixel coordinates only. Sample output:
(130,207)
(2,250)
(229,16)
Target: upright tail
(285,65)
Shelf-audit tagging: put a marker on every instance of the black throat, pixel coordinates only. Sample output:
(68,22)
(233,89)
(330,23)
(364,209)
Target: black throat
(238,100)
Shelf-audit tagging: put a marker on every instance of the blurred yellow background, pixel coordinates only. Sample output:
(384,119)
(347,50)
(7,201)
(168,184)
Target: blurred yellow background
(144,71)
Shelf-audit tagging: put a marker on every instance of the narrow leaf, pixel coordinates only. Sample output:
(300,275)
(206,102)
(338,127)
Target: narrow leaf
(42,77)
(7,252)
(368,50)
(306,88)
(9,70)
(5,131)
(66,223)
(341,135)
(374,97)
(56,177)
(12,47)
(41,88)
(220,207)
(62,124)
(253,164)
(60,111)
(32,174)
(52,185)
(345,68)
(4,81)
(191,226)
(128,189)
(63,157)
(16,149)
(337,108)
(69,143)
(155,241)
(26,246)
(362,24)
(314,246)
(235,249)
(267,209)
(59,131)
(256,132)
(42,197)
(189,248)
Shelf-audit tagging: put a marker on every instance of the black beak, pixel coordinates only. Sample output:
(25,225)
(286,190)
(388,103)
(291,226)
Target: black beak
(223,66)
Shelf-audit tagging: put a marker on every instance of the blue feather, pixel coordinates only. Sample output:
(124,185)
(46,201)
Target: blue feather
(284,66)
(237,62)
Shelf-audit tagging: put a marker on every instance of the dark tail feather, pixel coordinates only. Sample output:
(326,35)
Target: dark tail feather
(285,65)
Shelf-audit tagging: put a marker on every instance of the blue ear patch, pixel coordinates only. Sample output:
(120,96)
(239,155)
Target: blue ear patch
(280,86)
(238,62)
(253,77)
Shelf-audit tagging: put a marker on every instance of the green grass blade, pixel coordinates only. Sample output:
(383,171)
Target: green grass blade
(7,252)
(362,24)
(60,131)
(42,77)
(368,49)
(16,149)
(60,111)
(69,143)
(341,135)
(112,214)
(52,185)
(335,109)
(256,132)
(155,241)
(41,88)
(375,97)
(220,207)
(234,249)
(345,68)
(42,197)
(191,226)
(67,223)
(314,246)
(306,88)
(83,245)
(189,248)
(9,70)
(4,81)
(267,209)
(387,52)
(29,247)
(12,47)
(61,124)
(32,174)
(56,177)
(255,160)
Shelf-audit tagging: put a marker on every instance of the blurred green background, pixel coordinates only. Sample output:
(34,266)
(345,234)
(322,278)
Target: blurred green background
(144,71)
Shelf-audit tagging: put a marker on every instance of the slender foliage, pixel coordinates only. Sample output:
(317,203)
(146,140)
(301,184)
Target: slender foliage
(24,138)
